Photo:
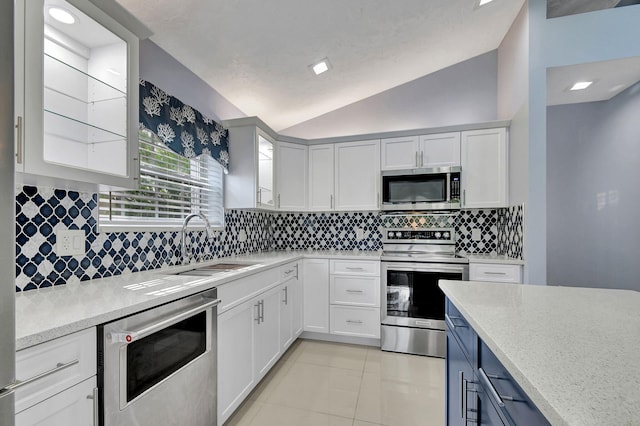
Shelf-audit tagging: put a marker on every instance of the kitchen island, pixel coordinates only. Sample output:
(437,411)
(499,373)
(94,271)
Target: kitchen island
(573,351)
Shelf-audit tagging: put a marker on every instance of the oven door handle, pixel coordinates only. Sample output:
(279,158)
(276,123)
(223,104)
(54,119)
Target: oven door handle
(425,267)
(133,335)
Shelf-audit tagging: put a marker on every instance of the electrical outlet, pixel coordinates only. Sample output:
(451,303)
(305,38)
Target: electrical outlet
(476,235)
(359,234)
(70,242)
(242,236)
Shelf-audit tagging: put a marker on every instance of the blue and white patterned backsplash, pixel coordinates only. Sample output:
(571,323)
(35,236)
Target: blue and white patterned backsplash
(41,212)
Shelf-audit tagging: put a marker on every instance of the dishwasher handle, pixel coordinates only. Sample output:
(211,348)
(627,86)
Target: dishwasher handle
(133,335)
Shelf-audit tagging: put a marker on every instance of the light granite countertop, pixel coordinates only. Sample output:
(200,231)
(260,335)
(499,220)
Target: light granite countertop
(574,351)
(493,258)
(49,313)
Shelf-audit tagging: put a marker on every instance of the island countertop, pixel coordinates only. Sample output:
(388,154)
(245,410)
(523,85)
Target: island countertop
(574,351)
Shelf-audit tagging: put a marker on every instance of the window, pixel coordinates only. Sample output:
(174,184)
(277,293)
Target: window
(171,187)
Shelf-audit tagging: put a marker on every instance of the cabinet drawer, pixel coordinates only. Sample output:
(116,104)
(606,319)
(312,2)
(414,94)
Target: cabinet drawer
(354,290)
(74,406)
(77,350)
(495,272)
(459,328)
(235,292)
(517,404)
(355,321)
(355,267)
(289,271)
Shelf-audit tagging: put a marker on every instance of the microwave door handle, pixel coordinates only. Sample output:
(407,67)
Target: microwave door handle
(133,335)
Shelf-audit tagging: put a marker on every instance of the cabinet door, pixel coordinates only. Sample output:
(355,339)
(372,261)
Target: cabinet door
(357,175)
(291,176)
(286,315)
(267,332)
(461,400)
(440,150)
(78,104)
(74,406)
(321,177)
(295,295)
(265,195)
(316,295)
(484,168)
(236,375)
(399,153)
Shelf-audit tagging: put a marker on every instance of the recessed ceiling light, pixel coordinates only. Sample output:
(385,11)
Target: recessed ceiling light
(483,2)
(62,15)
(321,66)
(581,85)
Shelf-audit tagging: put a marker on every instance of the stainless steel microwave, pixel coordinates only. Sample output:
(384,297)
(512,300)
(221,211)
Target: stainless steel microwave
(421,189)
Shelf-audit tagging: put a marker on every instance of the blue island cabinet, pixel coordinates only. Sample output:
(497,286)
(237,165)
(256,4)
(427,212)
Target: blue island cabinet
(480,390)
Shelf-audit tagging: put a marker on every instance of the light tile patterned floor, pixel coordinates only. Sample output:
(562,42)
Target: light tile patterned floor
(330,384)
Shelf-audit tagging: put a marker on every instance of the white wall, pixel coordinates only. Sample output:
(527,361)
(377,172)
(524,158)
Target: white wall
(460,94)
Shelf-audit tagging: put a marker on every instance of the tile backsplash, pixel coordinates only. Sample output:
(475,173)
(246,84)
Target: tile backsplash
(41,212)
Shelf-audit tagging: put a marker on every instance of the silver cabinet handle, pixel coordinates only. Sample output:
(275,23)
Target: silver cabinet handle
(487,384)
(261,310)
(355,268)
(354,291)
(297,270)
(278,200)
(257,318)
(417,159)
(354,321)
(96,406)
(421,158)
(289,271)
(19,129)
(286,295)
(259,195)
(494,273)
(463,402)
(452,323)
(59,367)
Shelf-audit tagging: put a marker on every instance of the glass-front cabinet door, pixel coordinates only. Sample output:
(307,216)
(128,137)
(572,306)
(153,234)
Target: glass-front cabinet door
(76,94)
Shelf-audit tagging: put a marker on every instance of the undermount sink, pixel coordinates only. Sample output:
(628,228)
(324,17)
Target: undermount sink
(205,271)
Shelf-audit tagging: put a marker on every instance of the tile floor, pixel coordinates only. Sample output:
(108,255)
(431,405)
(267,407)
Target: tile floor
(329,384)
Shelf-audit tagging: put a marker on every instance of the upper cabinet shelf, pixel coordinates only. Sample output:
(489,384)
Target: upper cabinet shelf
(76,97)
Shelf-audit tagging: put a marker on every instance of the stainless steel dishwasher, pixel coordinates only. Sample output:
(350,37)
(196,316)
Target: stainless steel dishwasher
(158,367)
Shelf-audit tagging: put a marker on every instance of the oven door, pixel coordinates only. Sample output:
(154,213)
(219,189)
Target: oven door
(410,293)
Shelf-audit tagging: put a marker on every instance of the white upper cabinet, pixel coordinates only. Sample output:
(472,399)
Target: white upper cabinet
(428,151)
(485,174)
(250,182)
(76,95)
(440,150)
(291,176)
(400,153)
(357,175)
(321,178)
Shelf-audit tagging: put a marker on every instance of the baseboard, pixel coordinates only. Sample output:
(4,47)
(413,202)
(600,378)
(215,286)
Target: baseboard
(366,341)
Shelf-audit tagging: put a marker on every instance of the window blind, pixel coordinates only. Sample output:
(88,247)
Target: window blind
(171,187)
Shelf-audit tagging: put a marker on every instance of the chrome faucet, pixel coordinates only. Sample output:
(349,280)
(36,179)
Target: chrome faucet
(183,233)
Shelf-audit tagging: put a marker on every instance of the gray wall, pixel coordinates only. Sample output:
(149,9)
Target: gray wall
(593,196)
(166,72)
(460,94)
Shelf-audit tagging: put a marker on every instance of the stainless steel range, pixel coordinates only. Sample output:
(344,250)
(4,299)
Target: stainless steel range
(413,260)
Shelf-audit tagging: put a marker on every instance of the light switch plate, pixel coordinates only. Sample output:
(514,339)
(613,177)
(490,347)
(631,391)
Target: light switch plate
(476,235)
(242,236)
(70,242)
(359,234)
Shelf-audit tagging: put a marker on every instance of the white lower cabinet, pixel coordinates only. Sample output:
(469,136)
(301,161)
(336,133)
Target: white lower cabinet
(59,379)
(355,321)
(256,324)
(316,295)
(495,272)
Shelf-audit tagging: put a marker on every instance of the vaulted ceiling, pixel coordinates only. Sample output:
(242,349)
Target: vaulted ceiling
(257,53)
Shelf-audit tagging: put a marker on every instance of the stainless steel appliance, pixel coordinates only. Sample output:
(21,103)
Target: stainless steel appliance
(7,218)
(158,367)
(413,260)
(421,189)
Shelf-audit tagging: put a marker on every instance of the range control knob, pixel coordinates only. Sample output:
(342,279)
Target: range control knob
(446,235)
(398,234)
(390,234)
(438,235)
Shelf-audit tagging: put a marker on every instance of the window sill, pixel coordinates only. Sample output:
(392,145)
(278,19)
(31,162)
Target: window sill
(153,228)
